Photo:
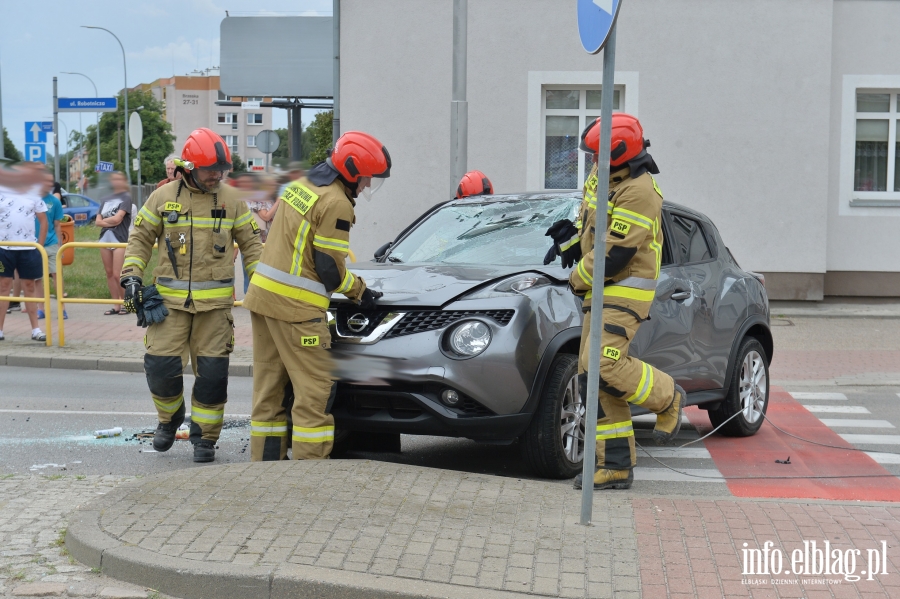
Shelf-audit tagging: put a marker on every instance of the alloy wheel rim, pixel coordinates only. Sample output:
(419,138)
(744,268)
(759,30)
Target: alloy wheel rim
(753,386)
(572,416)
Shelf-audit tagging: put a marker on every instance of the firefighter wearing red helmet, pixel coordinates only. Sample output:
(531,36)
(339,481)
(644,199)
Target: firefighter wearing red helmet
(195,221)
(302,265)
(474,183)
(634,240)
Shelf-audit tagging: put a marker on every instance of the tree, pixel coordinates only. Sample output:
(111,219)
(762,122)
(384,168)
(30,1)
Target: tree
(157,140)
(10,152)
(237,164)
(320,135)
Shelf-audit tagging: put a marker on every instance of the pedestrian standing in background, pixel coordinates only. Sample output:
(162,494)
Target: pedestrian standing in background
(263,204)
(115,218)
(21,208)
(294,173)
(51,244)
(171,173)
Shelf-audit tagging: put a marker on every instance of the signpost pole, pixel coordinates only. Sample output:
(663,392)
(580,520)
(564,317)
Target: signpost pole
(593,383)
(336,40)
(2,142)
(140,186)
(56,136)
(459,107)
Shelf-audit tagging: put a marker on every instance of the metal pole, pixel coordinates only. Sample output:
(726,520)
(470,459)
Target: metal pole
(2,140)
(96,95)
(336,77)
(140,186)
(67,152)
(459,107)
(295,131)
(80,154)
(593,383)
(56,136)
(125,91)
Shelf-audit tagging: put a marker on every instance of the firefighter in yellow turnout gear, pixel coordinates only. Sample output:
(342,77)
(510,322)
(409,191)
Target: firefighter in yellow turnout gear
(633,254)
(302,264)
(195,222)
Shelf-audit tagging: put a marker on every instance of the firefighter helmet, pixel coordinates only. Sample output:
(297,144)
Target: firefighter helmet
(474,183)
(627,138)
(358,154)
(205,150)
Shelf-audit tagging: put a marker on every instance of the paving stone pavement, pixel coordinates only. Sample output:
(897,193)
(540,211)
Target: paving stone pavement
(33,560)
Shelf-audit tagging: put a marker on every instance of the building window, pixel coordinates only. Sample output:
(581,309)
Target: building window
(251,141)
(253,99)
(876,152)
(254,118)
(224,97)
(228,118)
(232,142)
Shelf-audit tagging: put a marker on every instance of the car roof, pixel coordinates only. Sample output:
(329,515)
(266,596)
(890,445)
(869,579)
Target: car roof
(549,195)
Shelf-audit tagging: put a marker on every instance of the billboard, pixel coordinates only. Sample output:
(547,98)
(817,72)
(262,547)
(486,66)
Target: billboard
(279,57)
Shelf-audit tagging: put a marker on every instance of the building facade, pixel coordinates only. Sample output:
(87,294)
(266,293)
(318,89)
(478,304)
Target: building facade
(779,120)
(190,103)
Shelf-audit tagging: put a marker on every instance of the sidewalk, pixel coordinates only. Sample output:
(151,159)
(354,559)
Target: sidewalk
(363,529)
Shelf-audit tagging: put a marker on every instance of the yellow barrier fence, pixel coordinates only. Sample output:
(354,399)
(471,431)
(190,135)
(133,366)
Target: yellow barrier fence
(45,280)
(81,300)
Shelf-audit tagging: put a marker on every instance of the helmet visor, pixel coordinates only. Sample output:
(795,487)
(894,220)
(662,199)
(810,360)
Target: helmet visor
(369,187)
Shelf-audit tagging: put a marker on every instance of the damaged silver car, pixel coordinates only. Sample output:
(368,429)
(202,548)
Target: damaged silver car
(476,338)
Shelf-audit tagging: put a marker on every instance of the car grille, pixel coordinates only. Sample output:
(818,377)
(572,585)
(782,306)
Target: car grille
(420,321)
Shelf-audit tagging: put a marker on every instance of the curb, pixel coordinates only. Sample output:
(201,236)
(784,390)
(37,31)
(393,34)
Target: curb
(104,363)
(190,579)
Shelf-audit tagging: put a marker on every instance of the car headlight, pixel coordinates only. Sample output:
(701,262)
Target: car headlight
(511,286)
(469,338)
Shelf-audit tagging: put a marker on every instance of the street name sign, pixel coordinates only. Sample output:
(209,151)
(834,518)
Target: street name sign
(87,104)
(595,20)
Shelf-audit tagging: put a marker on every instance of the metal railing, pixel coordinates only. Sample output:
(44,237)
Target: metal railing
(45,281)
(82,300)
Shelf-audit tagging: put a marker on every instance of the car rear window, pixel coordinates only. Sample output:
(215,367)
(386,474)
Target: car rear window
(498,233)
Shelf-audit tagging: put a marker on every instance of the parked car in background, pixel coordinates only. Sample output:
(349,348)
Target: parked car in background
(82,209)
(476,338)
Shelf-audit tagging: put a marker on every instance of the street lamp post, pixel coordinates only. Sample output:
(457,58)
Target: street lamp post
(67,153)
(96,95)
(125,68)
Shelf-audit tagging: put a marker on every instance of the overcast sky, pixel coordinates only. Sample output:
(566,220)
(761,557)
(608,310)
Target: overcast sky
(163,38)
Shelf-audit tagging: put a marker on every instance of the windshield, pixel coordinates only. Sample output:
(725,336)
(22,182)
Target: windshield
(507,233)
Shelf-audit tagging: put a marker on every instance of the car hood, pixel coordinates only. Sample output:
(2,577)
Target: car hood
(437,284)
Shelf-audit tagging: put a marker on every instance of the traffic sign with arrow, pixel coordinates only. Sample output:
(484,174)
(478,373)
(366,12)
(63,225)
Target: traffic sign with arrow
(595,20)
(36,131)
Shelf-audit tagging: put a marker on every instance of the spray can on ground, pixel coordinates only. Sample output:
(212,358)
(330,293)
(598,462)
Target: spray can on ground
(109,432)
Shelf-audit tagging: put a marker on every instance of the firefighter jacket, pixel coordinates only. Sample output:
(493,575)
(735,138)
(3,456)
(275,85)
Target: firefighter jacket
(303,262)
(198,231)
(633,240)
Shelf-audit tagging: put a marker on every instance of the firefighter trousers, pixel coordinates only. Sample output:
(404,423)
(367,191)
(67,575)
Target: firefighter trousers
(624,380)
(208,339)
(296,353)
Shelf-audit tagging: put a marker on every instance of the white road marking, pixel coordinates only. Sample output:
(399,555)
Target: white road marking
(838,409)
(664,474)
(851,423)
(884,458)
(872,439)
(799,395)
(699,453)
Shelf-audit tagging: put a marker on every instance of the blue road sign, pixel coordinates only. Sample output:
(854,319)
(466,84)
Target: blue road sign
(36,153)
(86,104)
(104,167)
(36,131)
(595,20)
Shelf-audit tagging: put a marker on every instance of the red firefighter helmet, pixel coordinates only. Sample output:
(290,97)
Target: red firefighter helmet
(358,154)
(205,150)
(627,138)
(474,183)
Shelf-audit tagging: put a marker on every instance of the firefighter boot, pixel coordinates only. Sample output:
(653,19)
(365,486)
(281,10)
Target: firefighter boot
(668,422)
(164,436)
(609,479)
(204,450)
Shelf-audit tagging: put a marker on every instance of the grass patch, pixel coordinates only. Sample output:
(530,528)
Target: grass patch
(80,477)
(5,476)
(154,594)
(95,570)
(54,476)
(86,277)
(17,575)
(61,538)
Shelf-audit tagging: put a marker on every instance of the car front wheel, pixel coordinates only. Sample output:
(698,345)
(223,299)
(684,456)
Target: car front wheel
(748,394)
(554,442)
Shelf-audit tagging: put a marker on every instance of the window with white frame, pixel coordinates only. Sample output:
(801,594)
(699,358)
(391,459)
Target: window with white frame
(254,118)
(253,99)
(251,162)
(877,155)
(228,117)
(566,110)
(232,142)
(251,141)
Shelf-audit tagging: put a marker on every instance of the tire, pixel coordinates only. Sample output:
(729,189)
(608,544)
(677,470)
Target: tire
(553,445)
(748,393)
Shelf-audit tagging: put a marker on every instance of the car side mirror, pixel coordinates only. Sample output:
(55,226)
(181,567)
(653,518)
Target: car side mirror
(380,252)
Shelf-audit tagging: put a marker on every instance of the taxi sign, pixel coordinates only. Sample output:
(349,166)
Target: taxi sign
(595,21)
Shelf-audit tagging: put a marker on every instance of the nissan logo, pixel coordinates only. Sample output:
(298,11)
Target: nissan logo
(357,323)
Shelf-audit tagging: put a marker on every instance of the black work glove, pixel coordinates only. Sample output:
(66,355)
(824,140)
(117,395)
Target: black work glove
(133,299)
(369,299)
(153,309)
(566,243)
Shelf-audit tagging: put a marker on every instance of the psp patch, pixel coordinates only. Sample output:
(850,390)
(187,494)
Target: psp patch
(170,206)
(309,341)
(612,353)
(619,228)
